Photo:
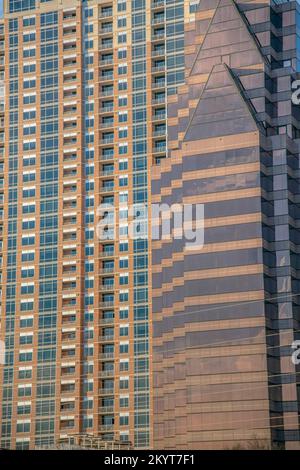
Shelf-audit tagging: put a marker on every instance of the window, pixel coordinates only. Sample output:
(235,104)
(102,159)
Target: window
(122,22)
(21,5)
(23,426)
(124,279)
(124,348)
(29,68)
(24,390)
(25,372)
(29,36)
(124,420)
(123,313)
(27,256)
(124,401)
(25,356)
(28,21)
(122,53)
(88,12)
(123,132)
(24,408)
(123,263)
(26,322)
(26,305)
(29,98)
(124,329)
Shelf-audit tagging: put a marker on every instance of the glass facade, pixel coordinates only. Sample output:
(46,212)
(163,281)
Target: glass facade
(225,315)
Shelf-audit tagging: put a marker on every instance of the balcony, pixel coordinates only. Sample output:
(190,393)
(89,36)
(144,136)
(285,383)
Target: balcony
(69,15)
(106,28)
(159,67)
(106,355)
(159,100)
(107,91)
(105,62)
(107,140)
(70,78)
(106,287)
(68,318)
(107,304)
(68,336)
(106,427)
(68,94)
(106,321)
(69,30)
(107,124)
(159,84)
(106,391)
(67,370)
(67,388)
(69,253)
(69,61)
(158,3)
(70,140)
(67,353)
(159,116)
(69,155)
(106,338)
(70,109)
(159,147)
(68,237)
(107,189)
(107,108)
(106,12)
(106,373)
(70,204)
(160,132)
(158,19)
(105,173)
(107,77)
(70,125)
(106,45)
(70,172)
(67,424)
(69,269)
(69,46)
(70,188)
(106,409)
(67,406)
(157,35)
(67,287)
(107,156)
(158,52)
(107,254)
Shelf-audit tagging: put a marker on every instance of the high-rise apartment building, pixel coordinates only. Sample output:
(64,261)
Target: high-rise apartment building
(225,316)
(85,117)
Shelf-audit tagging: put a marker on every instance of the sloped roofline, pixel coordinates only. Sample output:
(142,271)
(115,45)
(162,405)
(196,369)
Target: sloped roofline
(236,83)
(253,38)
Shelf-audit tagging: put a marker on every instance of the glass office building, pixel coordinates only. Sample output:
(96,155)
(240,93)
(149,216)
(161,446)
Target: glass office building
(225,316)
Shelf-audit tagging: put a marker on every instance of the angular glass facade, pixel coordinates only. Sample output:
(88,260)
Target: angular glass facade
(225,316)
